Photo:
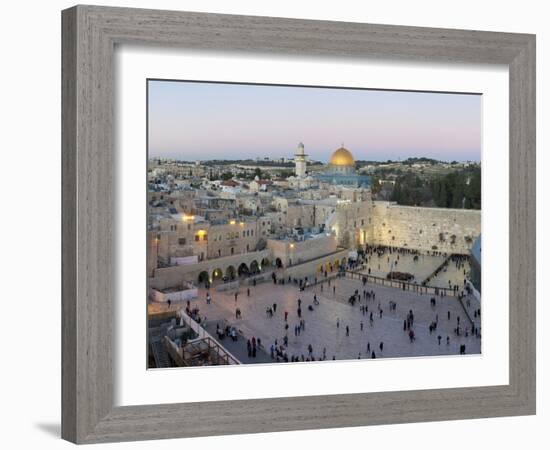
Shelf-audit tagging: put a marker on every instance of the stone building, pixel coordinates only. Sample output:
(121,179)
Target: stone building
(341,171)
(438,229)
(311,221)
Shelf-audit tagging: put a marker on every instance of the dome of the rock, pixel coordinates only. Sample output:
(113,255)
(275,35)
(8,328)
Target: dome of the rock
(342,157)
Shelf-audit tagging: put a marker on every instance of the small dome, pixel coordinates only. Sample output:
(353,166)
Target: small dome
(342,157)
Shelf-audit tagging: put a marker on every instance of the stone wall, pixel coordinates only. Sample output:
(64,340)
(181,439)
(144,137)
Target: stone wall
(440,229)
(168,277)
(296,252)
(310,269)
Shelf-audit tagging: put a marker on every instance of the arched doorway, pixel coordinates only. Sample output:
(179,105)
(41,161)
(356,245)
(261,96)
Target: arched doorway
(265,264)
(217,274)
(243,271)
(254,268)
(230,273)
(203,277)
(278,263)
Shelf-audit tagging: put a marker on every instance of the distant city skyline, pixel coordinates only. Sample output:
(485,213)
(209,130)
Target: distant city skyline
(204,121)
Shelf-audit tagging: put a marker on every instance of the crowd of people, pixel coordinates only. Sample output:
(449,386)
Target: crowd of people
(368,308)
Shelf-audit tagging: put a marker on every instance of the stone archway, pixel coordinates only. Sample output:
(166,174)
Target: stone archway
(203,277)
(217,274)
(243,270)
(265,264)
(230,273)
(278,263)
(254,267)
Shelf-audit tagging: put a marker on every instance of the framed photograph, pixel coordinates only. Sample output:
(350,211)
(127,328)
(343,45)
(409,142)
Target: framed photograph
(278,224)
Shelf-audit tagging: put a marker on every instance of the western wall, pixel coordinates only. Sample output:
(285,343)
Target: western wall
(428,229)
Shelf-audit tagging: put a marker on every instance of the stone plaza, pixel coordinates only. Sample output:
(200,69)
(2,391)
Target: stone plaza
(304,268)
(325,326)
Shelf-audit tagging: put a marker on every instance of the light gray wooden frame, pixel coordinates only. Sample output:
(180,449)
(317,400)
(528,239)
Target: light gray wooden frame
(89,37)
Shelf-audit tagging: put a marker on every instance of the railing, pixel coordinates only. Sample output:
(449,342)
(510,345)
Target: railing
(207,337)
(437,269)
(403,285)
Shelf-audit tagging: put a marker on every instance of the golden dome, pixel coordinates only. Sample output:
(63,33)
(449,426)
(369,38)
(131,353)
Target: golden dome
(342,157)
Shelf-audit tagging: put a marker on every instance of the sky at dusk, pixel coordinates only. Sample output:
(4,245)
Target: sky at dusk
(200,121)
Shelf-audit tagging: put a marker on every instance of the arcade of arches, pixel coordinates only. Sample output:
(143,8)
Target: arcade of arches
(233,272)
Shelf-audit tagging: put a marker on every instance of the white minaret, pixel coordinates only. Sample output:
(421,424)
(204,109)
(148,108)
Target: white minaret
(300,161)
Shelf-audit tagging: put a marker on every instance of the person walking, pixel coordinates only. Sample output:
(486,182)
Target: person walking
(347,330)
(439,340)
(381,347)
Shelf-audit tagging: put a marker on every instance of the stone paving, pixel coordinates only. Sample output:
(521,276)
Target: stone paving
(451,273)
(321,330)
(380,266)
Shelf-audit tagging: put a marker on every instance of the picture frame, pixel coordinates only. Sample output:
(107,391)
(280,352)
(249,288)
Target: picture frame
(89,37)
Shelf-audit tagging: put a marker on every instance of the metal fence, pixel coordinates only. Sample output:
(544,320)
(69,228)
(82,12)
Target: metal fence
(403,285)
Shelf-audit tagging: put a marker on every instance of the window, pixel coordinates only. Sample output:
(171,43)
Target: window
(182,241)
(244,233)
(232,250)
(197,237)
(205,237)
